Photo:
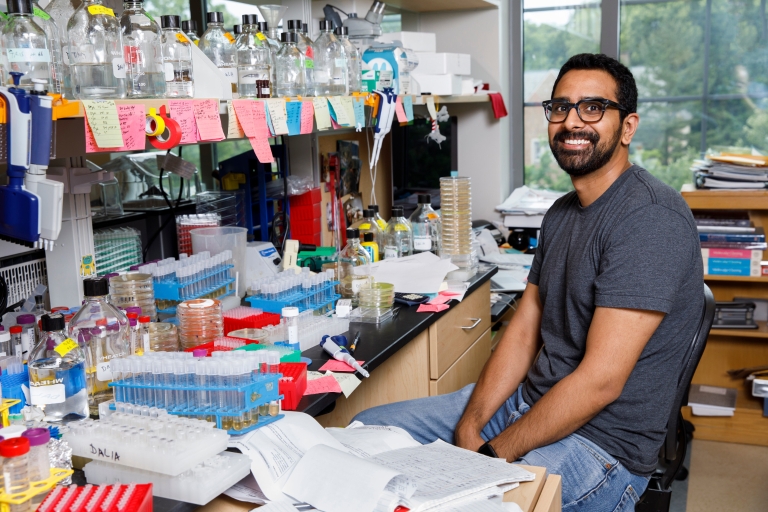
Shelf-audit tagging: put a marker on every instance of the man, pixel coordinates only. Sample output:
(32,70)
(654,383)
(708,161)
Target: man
(584,378)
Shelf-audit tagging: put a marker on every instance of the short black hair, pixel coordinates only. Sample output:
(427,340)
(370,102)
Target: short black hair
(626,89)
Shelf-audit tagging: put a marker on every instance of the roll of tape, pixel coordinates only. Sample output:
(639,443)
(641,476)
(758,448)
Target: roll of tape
(170,137)
(155,124)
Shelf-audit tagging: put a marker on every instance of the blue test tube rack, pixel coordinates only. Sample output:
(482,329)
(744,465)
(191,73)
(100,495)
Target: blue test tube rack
(170,289)
(261,391)
(296,299)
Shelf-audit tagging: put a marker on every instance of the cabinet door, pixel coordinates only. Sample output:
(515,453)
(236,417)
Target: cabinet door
(466,369)
(455,332)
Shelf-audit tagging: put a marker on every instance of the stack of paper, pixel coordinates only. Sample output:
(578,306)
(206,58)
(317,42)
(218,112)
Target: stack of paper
(525,207)
(731,171)
(420,273)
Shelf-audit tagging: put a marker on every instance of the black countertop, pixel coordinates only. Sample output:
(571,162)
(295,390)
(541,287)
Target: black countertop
(379,342)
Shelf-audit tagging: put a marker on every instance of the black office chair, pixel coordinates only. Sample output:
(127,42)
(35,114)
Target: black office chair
(657,496)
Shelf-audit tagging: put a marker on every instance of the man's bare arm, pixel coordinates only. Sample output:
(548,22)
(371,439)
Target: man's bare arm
(615,341)
(504,371)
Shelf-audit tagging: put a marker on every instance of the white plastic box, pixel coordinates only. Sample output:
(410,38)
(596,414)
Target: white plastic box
(444,63)
(415,41)
(441,85)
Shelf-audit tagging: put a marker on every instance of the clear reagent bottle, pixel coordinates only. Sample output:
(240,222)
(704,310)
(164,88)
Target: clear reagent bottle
(425,223)
(254,61)
(398,239)
(354,267)
(217,47)
(177,59)
(289,67)
(26,45)
(330,63)
(142,51)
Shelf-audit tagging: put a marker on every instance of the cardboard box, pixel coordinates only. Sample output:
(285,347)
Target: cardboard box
(467,85)
(441,85)
(416,41)
(444,63)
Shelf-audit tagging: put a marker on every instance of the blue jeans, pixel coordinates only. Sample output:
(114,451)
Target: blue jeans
(593,480)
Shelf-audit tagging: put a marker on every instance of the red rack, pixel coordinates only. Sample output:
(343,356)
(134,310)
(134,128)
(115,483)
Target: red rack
(106,498)
(306,217)
(293,384)
(237,319)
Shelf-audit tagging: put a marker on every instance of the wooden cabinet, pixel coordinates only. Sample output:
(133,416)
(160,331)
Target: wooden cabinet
(466,369)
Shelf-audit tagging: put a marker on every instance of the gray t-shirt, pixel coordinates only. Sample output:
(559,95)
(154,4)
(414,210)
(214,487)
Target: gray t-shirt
(635,247)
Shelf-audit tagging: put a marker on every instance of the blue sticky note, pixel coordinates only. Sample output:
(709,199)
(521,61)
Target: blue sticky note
(333,112)
(408,106)
(359,105)
(269,120)
(293,112)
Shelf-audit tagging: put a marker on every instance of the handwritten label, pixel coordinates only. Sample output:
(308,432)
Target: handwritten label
(45,395)
(278,115)
(325,384)
(234,130)
(322,114)
(118,67)
(401,117)
(208,120)
(102,117)
(132,119)
(408,107)
(338,112)
(28,55)
(230,74)
(349,109)
(183,112)
(100,9)
(262,149)
(104,371)
(104,453)
(293,115)
(244,109)
(359,106)
(307,114)
(65,347)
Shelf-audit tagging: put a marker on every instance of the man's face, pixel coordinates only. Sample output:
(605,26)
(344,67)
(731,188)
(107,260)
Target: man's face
(581,148)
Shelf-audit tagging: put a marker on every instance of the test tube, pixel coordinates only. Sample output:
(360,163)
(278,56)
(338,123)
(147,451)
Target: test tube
(180,377)
(156,395)
(201,381)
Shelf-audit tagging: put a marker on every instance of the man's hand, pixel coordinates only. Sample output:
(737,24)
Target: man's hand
(467,436)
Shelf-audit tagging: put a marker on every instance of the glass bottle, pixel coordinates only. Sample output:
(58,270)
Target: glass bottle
(368,224)
(96,59)
(354,62)
(102,330)
(217,47)
(274,47)
(25,45)
(330,63)
(38,311)
(253,61)
(370,245)
(177,59)
(398,238)
(44,20)
(57,373)
(289,67)
(61,11)
(379,219)
(189,27)
(142,51)
(354,267)
(308,49)
(425,224)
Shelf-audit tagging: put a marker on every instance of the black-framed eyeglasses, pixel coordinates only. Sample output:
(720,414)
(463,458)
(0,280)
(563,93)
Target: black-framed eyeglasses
(589,110)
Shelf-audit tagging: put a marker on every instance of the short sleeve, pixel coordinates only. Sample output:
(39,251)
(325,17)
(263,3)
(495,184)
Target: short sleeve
(538,257)
(645,260)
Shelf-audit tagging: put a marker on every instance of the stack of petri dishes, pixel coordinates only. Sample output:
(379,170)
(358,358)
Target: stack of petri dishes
(200,321)
(134,289)
(375,303)
(163,337)
(456,223)
(250,334)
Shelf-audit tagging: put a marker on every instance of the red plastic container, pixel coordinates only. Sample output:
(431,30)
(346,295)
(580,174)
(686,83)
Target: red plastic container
(240,318)
(306,217)
(293,384)
(63,498)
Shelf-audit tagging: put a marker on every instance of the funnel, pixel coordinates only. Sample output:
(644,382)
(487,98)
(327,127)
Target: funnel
(272,15)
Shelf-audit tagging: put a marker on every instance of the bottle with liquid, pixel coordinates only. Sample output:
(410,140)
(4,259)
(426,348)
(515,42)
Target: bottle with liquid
(61,11)
(368,224)
(425,223)
(189,27)
(44,20)
(354,61)
(379,219)
(57,382)
(330,63)
(398,238)
(25,45)
(103,331)
(177,59)
(97,66)
(354,267)
(142,51)
(370,245)
(289,65)
(253,61)
(307,48)
(38,311)
(217,47)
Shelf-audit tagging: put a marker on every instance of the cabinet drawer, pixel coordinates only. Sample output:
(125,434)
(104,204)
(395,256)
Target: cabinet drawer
(466,370)
(452,335)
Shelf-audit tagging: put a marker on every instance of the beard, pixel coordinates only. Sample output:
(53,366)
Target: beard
(583,161)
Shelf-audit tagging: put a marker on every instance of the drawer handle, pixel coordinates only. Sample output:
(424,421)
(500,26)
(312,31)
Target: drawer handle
(477,321)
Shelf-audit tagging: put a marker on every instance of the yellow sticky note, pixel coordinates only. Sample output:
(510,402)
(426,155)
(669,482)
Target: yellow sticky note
(278,115)
(65,347)
(340,111)
(100,9)
(182,38)
(104,122)
(349,109)
(234,130)
(322,114)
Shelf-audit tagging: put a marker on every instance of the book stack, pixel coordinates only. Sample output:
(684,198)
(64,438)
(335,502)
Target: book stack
(731,171)
(734,315)
(730,245)
(712,400)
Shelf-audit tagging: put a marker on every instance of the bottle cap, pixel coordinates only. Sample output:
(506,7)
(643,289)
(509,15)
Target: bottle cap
(189,26)
(199,352)
(367,213)
(397,211)
(294,24)
(52,322)
(25,319)
(289,37)
(170,21)
(15,329)
(37,436)
(374,208)
(133,309)
(341,31)
(20,7)
(250,19)
(144,319)
(353,233)
(38,299)
(290,312)
(367,237)
(326,25)
(131,314)
(263,26)
(237,29)
(425,198)
(304,28)
(95,287)
(15,447)
(215,17)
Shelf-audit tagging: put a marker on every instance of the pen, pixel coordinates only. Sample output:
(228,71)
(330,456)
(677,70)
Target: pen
(353,346)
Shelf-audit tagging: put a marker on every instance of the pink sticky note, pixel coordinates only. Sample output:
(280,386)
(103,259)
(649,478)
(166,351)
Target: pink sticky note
(260,120)
(132,120)
(400,111)
(335,125)
(262,149)
(325,384)
(244,110)
(450,294)
(431,308)
(208,120)
(338,366)
(440,299)
(307,116)
(183,112)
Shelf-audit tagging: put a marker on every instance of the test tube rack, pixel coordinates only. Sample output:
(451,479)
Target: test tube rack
(300,300)
(262,390)
(198,485)
(287,353)
(104,498)
(293,384)
(170,289)
(35,488)
(243,317)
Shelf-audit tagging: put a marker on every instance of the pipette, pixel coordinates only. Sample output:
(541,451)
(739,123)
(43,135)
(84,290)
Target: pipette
(340,355)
